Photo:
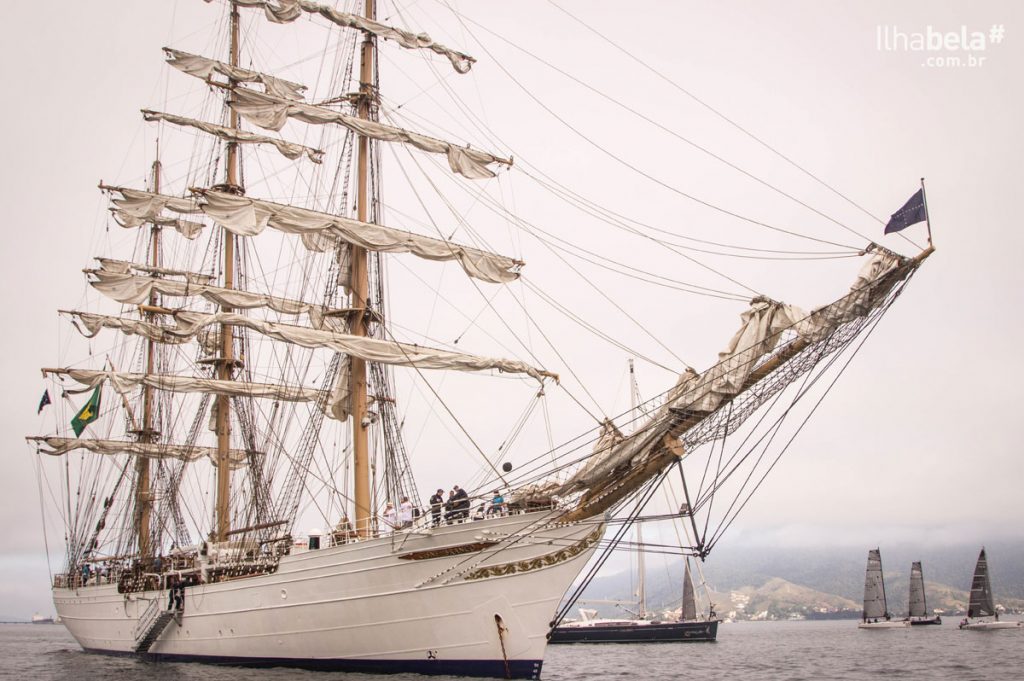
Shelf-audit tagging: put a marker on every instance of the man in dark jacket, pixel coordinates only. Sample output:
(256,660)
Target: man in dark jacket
(461,500)
(436,504)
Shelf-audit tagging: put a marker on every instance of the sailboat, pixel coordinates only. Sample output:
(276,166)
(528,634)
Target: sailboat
(982,604)
(876,612)
(918,608)
(246,382)
(641,628)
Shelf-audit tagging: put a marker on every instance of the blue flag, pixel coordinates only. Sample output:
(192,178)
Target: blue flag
(45,401)
(912,212)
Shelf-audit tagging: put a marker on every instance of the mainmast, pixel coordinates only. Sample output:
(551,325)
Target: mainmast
(359,284)
(225,362)
(143,493)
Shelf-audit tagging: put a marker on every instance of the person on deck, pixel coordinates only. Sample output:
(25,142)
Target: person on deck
(497,504)
(390,518)
(405,513)
(461,504)
(172,589)
(451,506)
(436,504)
(343,532)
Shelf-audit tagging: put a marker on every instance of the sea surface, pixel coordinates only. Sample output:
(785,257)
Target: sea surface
(745,651)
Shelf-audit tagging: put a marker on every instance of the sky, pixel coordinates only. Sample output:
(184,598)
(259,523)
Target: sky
(919,441)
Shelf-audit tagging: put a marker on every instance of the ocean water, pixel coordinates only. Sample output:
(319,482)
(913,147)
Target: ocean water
(747,651)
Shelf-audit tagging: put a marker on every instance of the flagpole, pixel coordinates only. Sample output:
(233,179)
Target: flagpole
(928,224)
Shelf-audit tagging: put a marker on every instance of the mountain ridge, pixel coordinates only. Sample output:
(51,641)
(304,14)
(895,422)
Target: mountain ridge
(778,583)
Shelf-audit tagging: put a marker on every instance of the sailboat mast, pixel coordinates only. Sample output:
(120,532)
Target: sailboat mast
(359,284)
(641,567)
(143,494)
(226,360)
(881,580)
(924,596)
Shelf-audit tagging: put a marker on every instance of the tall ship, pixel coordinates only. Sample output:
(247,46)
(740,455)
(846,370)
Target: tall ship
(227,446)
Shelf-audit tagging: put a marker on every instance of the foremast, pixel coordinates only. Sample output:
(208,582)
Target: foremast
(143,493)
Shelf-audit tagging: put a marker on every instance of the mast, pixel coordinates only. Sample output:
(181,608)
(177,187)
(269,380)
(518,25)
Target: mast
(881,580)
(143,494)
(641,567)
(359,284)
(640,564)
(225,362)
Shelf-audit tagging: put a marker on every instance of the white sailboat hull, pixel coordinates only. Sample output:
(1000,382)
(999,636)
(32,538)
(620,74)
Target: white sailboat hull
(890,624)
(986,626)
(362,606)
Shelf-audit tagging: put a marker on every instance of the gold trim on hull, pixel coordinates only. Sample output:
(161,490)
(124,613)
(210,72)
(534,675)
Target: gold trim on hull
(541,562)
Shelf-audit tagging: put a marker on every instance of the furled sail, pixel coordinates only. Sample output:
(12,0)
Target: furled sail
(746,360)
(874,587)
(370,349)
(981,604)
(134,207)
(287,11)
(134,289)
(288,149)
(271,113)
(123,382)
(204,68)
(63,445)
(247,217)
(112,266)
(917,602)
(187,228)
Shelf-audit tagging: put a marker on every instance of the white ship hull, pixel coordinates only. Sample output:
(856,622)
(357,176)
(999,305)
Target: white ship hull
(363,606)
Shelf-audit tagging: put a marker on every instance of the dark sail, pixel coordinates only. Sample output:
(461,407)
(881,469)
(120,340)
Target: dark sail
(981,591)
(874,587)
(918,607)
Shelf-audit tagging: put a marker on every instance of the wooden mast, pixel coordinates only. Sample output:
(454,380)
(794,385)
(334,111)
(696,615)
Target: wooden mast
(143,493)
(359,285)
(226,360)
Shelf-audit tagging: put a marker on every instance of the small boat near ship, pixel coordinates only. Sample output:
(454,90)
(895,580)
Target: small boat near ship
(918,607)
(41,619)
(689,627)
(982,604)
(876,612)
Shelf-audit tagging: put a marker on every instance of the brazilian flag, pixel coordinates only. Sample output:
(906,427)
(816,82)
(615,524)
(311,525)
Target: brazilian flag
(87,414)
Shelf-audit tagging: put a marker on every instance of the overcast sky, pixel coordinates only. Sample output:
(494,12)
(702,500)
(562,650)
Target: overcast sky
(920,441)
